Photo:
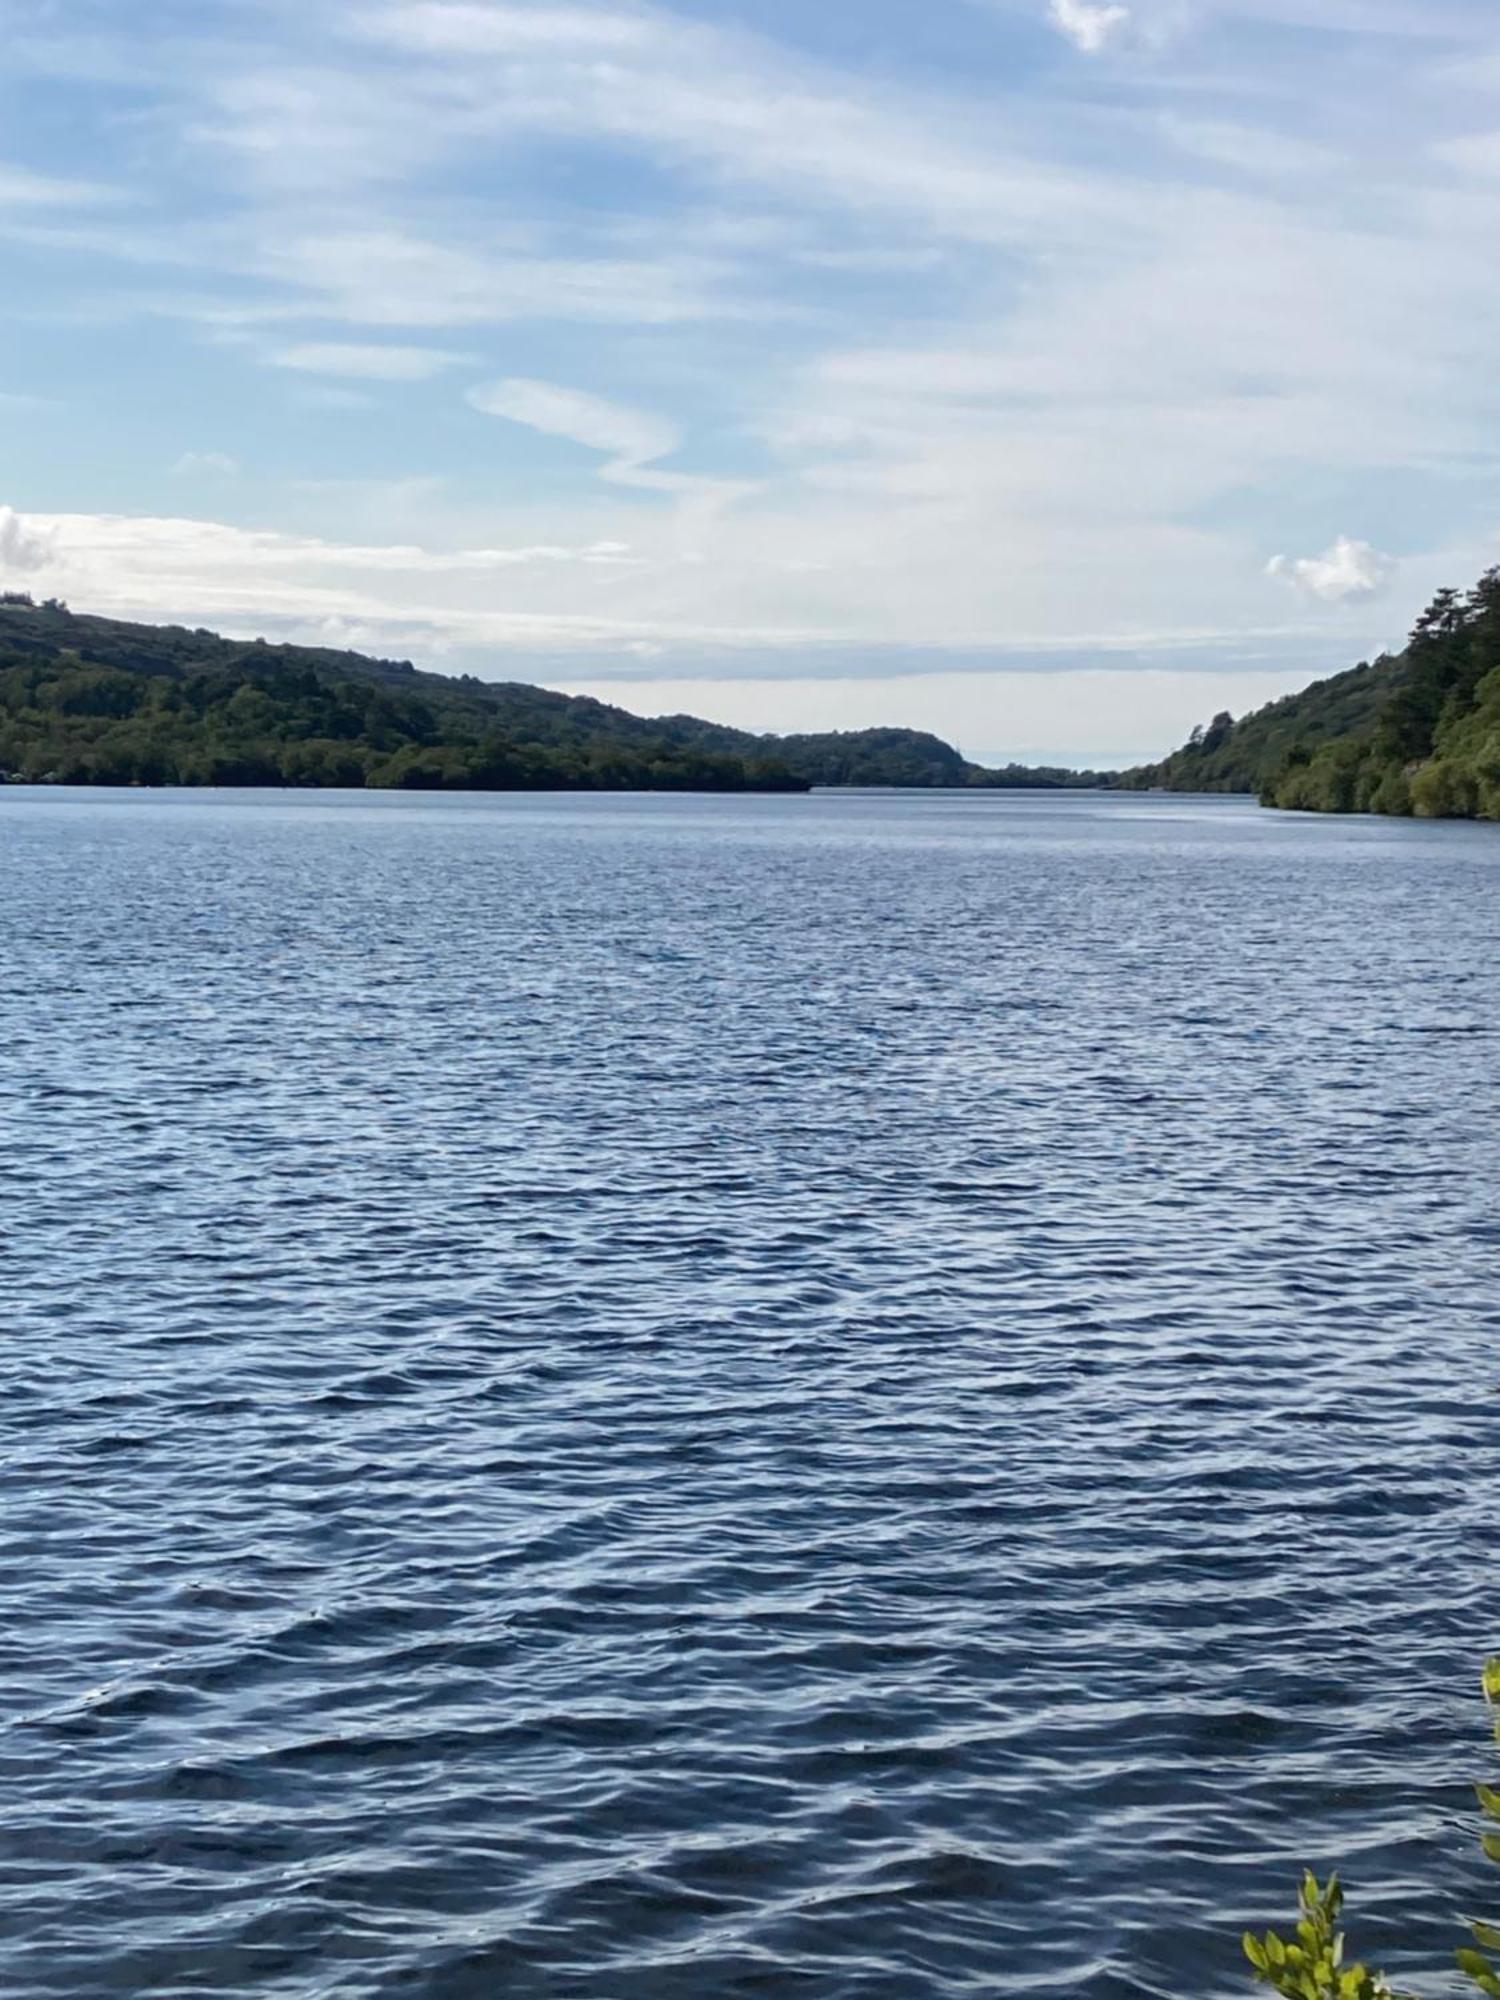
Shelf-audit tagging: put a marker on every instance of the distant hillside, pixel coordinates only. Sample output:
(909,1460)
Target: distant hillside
(98,701)
(903,757)
(1417,733)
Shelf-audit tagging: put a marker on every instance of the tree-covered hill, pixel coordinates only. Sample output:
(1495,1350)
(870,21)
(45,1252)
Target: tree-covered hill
(905,757)
(1434,747)
(1243,756)
(1417,732)
(98,701)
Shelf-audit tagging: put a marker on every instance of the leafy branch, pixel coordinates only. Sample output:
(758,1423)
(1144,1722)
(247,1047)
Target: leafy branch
(1478,1964)
(1311,1965)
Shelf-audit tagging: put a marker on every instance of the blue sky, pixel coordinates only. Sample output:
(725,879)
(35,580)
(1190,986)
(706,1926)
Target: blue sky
(1051,373)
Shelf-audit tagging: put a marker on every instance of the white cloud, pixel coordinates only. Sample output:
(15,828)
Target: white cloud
(1088,27)
(215,464)
(1345,574)
(630,438)
(748,588)
(165,561)
(632,441)
(22,546)
(254,581)
(362,362)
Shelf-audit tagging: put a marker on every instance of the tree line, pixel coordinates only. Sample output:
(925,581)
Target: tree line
(88,700)
(1417,732)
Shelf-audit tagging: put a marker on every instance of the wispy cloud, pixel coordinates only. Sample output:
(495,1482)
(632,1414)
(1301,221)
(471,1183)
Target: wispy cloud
(700,98)
(820,359)
(630,440)
(398,277)
(1472,153)
(1251,149)
(633,442)
(20,188)
(210,464)
(362,362)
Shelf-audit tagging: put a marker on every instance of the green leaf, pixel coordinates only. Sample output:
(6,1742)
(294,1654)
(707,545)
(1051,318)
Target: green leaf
(1480,1971)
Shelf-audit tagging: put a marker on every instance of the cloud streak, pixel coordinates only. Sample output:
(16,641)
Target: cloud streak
(21,188)
(629,439)
(361,362)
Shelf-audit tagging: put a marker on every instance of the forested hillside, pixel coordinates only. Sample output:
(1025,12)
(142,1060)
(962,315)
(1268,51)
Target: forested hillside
(1417,732)
(1434,747)
(1244,756)
(95,701)
(98,701)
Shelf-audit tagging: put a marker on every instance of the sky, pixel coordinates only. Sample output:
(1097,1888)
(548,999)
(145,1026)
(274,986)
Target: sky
(1049,373)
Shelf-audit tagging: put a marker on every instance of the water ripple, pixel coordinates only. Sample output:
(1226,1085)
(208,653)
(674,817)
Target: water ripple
(861,1398)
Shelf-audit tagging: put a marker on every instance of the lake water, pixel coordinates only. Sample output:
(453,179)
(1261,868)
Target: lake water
(864,1397)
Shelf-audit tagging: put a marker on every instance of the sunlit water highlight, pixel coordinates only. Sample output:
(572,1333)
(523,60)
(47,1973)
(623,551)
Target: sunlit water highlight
(853,1398)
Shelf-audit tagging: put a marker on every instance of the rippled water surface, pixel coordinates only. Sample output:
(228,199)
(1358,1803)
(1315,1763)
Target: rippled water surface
(853,1398)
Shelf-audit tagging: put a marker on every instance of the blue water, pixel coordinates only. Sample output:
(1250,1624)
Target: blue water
(848,1398)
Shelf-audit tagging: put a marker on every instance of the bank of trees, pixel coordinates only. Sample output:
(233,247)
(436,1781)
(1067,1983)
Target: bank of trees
(91,701)
(1243,756)
(1412,733)
(100,701)
(1434,747)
